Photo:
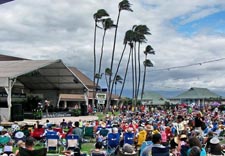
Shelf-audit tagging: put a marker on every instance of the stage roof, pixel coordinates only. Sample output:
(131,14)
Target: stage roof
(39,74)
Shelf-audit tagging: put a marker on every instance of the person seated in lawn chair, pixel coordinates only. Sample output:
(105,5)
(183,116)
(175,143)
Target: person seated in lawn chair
(50,131)
(102,133)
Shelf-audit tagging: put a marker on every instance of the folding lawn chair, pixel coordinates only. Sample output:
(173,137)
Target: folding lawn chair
(36,152)
(60,131)
(113,142)
(4,140)
(89,132)
(72,142)
(37,135)
(52,142)
(129,138)
(104,132)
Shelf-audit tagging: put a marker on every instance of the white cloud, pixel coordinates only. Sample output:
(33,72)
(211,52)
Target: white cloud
(53,29)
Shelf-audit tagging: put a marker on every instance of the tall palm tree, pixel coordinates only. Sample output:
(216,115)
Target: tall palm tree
(123,5)
(97,17)
(147,63)
(141,31)
(106,24)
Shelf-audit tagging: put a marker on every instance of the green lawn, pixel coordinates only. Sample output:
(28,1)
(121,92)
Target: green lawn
(87,147)
(102,116)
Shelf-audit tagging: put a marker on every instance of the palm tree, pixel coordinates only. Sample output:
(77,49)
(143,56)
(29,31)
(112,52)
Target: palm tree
(127,39)
(106,24)
(147,63)
(97,17)
(108,73)
(127,66)
(141,31)
(123,5)
(118,80)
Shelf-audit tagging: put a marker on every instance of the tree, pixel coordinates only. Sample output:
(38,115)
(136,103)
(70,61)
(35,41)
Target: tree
(147,63)
(123,5)
(127,39)
(97,17)
(106,24)
(118,79)
(127,67)
(140,32)
(108,73)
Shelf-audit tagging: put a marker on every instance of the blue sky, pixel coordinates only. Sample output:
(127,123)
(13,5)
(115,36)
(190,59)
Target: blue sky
(183,32)
(211,24)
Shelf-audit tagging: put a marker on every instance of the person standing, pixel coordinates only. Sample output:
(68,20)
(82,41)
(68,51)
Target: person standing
(47,104)
(199,121)
(78,131)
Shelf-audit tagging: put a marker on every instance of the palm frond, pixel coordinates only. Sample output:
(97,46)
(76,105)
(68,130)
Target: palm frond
(100,14)
(148,63)
(125,5)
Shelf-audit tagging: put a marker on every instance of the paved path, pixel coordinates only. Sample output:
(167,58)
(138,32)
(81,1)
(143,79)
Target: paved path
(56,120)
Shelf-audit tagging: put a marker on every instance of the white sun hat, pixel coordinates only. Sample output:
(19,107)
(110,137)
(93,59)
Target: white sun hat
(214,140)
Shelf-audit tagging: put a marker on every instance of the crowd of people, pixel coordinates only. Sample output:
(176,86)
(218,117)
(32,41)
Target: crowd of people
(177,132)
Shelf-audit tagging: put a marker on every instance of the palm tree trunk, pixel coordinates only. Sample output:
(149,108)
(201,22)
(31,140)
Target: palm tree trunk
(100,60)
(143,84)
(132,68)
(115,88)
(139,70)
(107,83)
(118,66)
(112,60)
(135,74)
(93,98)
(125,74)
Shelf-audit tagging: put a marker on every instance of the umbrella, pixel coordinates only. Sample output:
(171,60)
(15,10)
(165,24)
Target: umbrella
(215,104)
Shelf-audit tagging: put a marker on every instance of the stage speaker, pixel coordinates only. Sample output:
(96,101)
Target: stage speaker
(17,112)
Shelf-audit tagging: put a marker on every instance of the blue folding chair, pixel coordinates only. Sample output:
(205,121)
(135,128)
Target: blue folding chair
(157,151)
(129,138)
(72,142)
(52,142)
(113,142)
(51,133)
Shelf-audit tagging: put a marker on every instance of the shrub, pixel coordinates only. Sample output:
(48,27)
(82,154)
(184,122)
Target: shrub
(76,112)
